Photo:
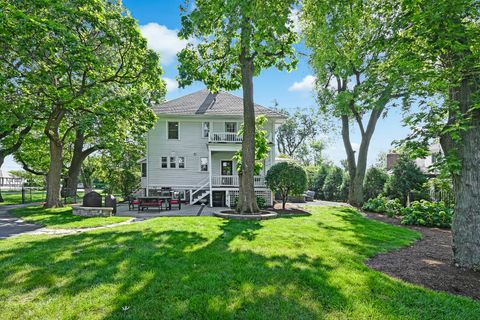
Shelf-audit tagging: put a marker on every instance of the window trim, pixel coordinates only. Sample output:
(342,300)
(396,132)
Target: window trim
(209,129)
(200,165)
(143,171)
(236,126)
(178,130)
(184,162)
(161,162)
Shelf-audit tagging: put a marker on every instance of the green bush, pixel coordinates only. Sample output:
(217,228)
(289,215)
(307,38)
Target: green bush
(261,202)
(286,178)
(427,213)
(374,184)
(382,204)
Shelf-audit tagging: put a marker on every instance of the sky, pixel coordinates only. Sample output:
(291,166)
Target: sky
(160,21)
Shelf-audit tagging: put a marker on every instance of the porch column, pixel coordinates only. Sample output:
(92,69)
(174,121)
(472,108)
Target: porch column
(210,175)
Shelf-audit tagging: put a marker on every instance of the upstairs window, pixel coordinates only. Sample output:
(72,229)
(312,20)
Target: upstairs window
(173,130)
(164,162)
(205,129)
(231,127)
(144,170)
(173,162)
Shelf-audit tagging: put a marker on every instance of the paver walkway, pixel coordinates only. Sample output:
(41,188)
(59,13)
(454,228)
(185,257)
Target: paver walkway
(11,225)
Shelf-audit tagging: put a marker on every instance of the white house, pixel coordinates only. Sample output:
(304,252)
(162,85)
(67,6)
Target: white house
(190,149)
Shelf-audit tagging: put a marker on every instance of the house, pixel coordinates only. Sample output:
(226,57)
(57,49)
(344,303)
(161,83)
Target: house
(191,147)
(425,164)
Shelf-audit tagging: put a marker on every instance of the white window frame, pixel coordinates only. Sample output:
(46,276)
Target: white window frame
(161,162)
(184,162)
(200,164)
(236,126)
(178,130)
(209,129)
(174,162)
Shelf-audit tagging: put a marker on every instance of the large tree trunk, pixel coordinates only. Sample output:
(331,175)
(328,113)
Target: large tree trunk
(466,182)
(54,175)
(247,202)
(2,159)
(79,155)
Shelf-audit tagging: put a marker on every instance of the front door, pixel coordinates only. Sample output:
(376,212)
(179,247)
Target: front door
(227,172)
(227,167)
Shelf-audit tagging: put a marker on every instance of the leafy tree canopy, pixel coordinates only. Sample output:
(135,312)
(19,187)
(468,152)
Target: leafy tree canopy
(286,178)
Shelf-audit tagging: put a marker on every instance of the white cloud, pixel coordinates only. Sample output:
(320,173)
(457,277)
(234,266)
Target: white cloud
(307,84)
(163,40)
(172,84)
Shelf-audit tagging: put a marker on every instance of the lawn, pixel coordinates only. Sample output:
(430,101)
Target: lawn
(62,218)
(15,197)
(308,267)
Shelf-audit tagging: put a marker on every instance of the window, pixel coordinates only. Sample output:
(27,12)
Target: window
(144,170)
(173,130)
(164,162)
(205,129)
(231,127)
(173,162)
(181,162)
(203,164)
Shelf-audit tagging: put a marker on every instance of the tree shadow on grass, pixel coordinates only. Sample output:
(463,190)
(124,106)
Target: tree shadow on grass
(204,269)
(169,274)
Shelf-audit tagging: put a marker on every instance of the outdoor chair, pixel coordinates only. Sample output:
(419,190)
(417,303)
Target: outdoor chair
(176,200)
(132,202)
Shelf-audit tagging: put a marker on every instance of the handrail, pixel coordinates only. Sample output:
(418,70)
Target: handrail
(230,137)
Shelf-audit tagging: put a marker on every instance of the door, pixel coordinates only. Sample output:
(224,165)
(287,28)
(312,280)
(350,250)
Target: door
(227,172)
(218,199)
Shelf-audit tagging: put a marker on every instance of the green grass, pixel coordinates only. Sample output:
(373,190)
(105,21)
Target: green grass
(62,218)
(15,197)
(207,268)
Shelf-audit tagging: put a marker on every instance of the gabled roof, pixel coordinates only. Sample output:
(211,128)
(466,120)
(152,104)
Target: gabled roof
(204,102)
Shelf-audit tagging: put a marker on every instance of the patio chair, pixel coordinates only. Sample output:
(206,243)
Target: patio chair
(132,202)
(176,200)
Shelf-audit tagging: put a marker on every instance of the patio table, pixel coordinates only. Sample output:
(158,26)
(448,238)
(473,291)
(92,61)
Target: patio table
(157,199)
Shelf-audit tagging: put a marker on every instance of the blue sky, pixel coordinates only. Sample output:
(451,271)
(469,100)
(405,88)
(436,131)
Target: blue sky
(160,21)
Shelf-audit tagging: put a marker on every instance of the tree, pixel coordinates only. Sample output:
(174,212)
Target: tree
(286,178)
(374,184)
(310,153)
(261,146)
(350,43)
(237,39)
(406,178)
(73,56)
(299,127)
(332,184)
(438,52)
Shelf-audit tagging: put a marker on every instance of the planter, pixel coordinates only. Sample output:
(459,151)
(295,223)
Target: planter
(230,214)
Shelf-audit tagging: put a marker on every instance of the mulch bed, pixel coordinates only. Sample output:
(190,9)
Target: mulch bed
(290,210)
(428,262)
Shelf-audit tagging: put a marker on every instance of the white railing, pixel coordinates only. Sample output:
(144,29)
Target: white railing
(229,137)
(233,181)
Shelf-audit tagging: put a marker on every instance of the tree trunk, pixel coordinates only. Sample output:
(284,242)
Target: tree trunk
(79,155)
(54,175)
(2,159)
(247,202)
(466,182)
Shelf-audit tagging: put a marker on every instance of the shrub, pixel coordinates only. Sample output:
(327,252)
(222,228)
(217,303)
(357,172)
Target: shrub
(261,202)
(427,213)
(333,182)
(286,178)
(382,204)
(375,180)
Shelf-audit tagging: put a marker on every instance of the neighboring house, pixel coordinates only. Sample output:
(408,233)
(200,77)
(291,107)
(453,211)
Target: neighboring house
(190,149)
(8,180)
(425,164)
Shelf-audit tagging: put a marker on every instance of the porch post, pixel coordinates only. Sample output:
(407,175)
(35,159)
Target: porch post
(210,175)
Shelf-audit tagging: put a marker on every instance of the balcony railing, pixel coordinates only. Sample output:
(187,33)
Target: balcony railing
(233,181)
(225,137)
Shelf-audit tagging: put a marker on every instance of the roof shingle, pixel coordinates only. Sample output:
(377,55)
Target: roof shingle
(204,102)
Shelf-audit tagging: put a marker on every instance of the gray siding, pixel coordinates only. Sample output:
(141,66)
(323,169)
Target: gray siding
(190,145)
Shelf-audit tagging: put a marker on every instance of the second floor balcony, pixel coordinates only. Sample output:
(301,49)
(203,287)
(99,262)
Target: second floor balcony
(224,137)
